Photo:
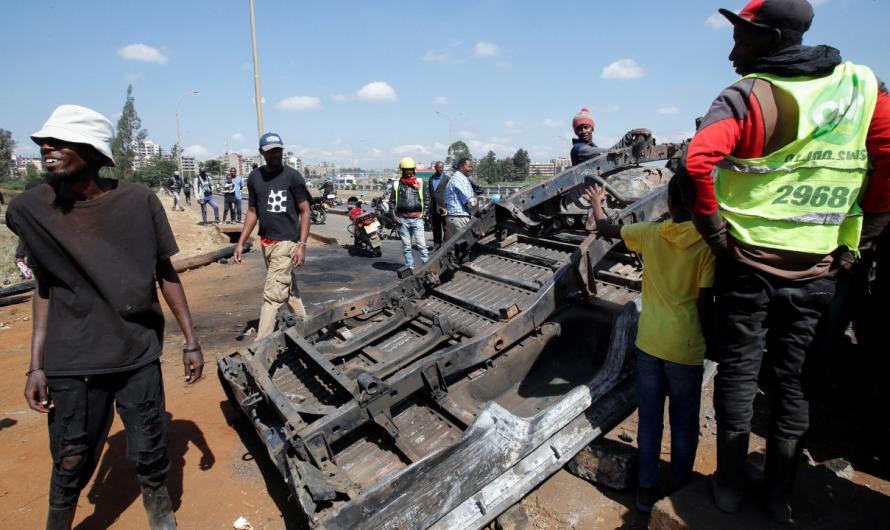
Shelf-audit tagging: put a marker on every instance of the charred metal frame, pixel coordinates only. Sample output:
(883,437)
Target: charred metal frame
(370,397)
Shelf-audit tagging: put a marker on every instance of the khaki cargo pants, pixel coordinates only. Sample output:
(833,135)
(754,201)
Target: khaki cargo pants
(279,288)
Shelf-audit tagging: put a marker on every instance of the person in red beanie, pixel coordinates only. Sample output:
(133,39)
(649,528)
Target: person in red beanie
(583,148)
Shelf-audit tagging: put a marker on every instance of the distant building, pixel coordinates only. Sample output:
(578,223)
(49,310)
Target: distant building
(560,164)
(147,149)
(545,168)
(236,161)
(189,165)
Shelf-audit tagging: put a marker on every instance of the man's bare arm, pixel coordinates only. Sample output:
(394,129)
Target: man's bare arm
(171,288)
(305,216)
(249,224)
(36,389)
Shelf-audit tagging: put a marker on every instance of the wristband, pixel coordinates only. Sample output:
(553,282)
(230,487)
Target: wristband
(32,371)
(301,242)
(191,350)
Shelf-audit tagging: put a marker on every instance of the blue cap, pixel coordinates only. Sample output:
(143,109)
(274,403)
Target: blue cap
(271,141)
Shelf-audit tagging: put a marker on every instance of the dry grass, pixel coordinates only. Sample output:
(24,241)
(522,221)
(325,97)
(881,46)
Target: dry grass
(8,242)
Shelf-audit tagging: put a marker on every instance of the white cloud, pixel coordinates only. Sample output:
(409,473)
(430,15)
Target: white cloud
(553,124)
(498,145)
(604,141)
(455,43)
(403,150)
(338,141)
(623,69)
(466,134)
(669,110)
(673,136)
(299,103)
(442,100)
(197,151)
(434,57)
(132,77)
(141,52)
(376,91)
(510,127)
(610,108)
(248,151)
(339,97)
(238,137)
(718,21)
(487,49)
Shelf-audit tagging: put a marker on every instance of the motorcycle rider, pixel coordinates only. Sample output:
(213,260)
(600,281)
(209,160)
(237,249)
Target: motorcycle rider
(408,198)
(327,188)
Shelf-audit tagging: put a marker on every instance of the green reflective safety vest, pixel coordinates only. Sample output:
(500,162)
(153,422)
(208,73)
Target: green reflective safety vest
(805,197)
(395,195)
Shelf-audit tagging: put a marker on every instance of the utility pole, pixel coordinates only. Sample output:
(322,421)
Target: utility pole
(568,149)
(179,136)
(449,130)
(256,75)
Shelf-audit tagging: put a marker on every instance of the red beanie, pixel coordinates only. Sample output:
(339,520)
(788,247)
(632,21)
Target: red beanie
(582,118)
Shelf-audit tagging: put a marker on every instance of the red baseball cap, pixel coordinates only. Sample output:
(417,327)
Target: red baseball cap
(790,16)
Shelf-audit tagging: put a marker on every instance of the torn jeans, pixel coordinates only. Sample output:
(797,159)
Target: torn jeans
(82,417)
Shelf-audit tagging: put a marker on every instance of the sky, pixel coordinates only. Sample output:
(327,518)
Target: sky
(510,74)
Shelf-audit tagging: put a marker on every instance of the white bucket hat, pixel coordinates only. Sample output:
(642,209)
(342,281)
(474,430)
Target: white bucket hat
(79,125)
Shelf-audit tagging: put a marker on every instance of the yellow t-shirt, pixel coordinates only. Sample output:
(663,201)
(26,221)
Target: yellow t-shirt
(677,264)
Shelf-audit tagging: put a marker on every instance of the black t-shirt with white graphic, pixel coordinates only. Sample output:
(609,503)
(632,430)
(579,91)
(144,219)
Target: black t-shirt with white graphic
(275,195)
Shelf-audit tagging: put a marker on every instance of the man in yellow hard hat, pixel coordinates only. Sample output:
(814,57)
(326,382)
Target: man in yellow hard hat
(409,198)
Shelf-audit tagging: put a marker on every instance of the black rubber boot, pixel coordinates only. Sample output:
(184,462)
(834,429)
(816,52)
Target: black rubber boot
(159,508)
(779,473)
(728,482)
(60,519)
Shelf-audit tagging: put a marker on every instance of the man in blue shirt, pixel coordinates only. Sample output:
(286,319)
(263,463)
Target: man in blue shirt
(458,193)
(239,183)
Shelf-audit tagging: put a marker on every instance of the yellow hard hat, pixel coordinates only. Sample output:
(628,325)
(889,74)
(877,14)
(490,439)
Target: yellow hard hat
(407,163)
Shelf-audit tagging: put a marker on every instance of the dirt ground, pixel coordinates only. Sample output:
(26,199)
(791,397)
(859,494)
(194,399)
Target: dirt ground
(221,470)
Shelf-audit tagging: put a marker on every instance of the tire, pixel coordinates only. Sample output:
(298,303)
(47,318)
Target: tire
(378,252)
(322,216)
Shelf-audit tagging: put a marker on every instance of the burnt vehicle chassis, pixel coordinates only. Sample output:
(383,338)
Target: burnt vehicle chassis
(441,399)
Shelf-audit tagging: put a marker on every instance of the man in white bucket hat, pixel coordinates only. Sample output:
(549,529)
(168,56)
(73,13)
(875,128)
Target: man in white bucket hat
(96,246)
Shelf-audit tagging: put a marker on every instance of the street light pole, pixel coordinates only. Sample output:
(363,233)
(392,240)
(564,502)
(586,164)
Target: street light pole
(178,136)
(256,74)
(568,149)
(449,130)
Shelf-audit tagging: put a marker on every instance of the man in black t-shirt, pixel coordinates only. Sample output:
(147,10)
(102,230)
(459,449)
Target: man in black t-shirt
(96,246)
(279,200)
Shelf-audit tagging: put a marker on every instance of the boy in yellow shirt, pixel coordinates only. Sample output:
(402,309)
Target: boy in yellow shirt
(670,341)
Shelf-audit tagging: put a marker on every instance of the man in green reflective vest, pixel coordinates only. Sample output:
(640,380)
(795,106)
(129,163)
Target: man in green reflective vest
(409,200)
(781,189)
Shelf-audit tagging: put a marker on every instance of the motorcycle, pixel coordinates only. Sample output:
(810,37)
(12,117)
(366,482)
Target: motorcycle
(364,228)
(317,209)
(330,200)
(386,216)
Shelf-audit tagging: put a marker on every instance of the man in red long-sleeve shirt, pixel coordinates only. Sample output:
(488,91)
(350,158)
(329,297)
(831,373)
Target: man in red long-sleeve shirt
(784,196)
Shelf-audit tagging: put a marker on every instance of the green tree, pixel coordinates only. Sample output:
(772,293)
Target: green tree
(155,172)
(506,170)
(7,148)
(129,134)
(458,150)
(521,162)
(214,167)
(488,168)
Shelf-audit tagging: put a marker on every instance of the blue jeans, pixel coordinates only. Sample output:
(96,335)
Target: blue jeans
(212,203)
(656,380)
(408,228)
